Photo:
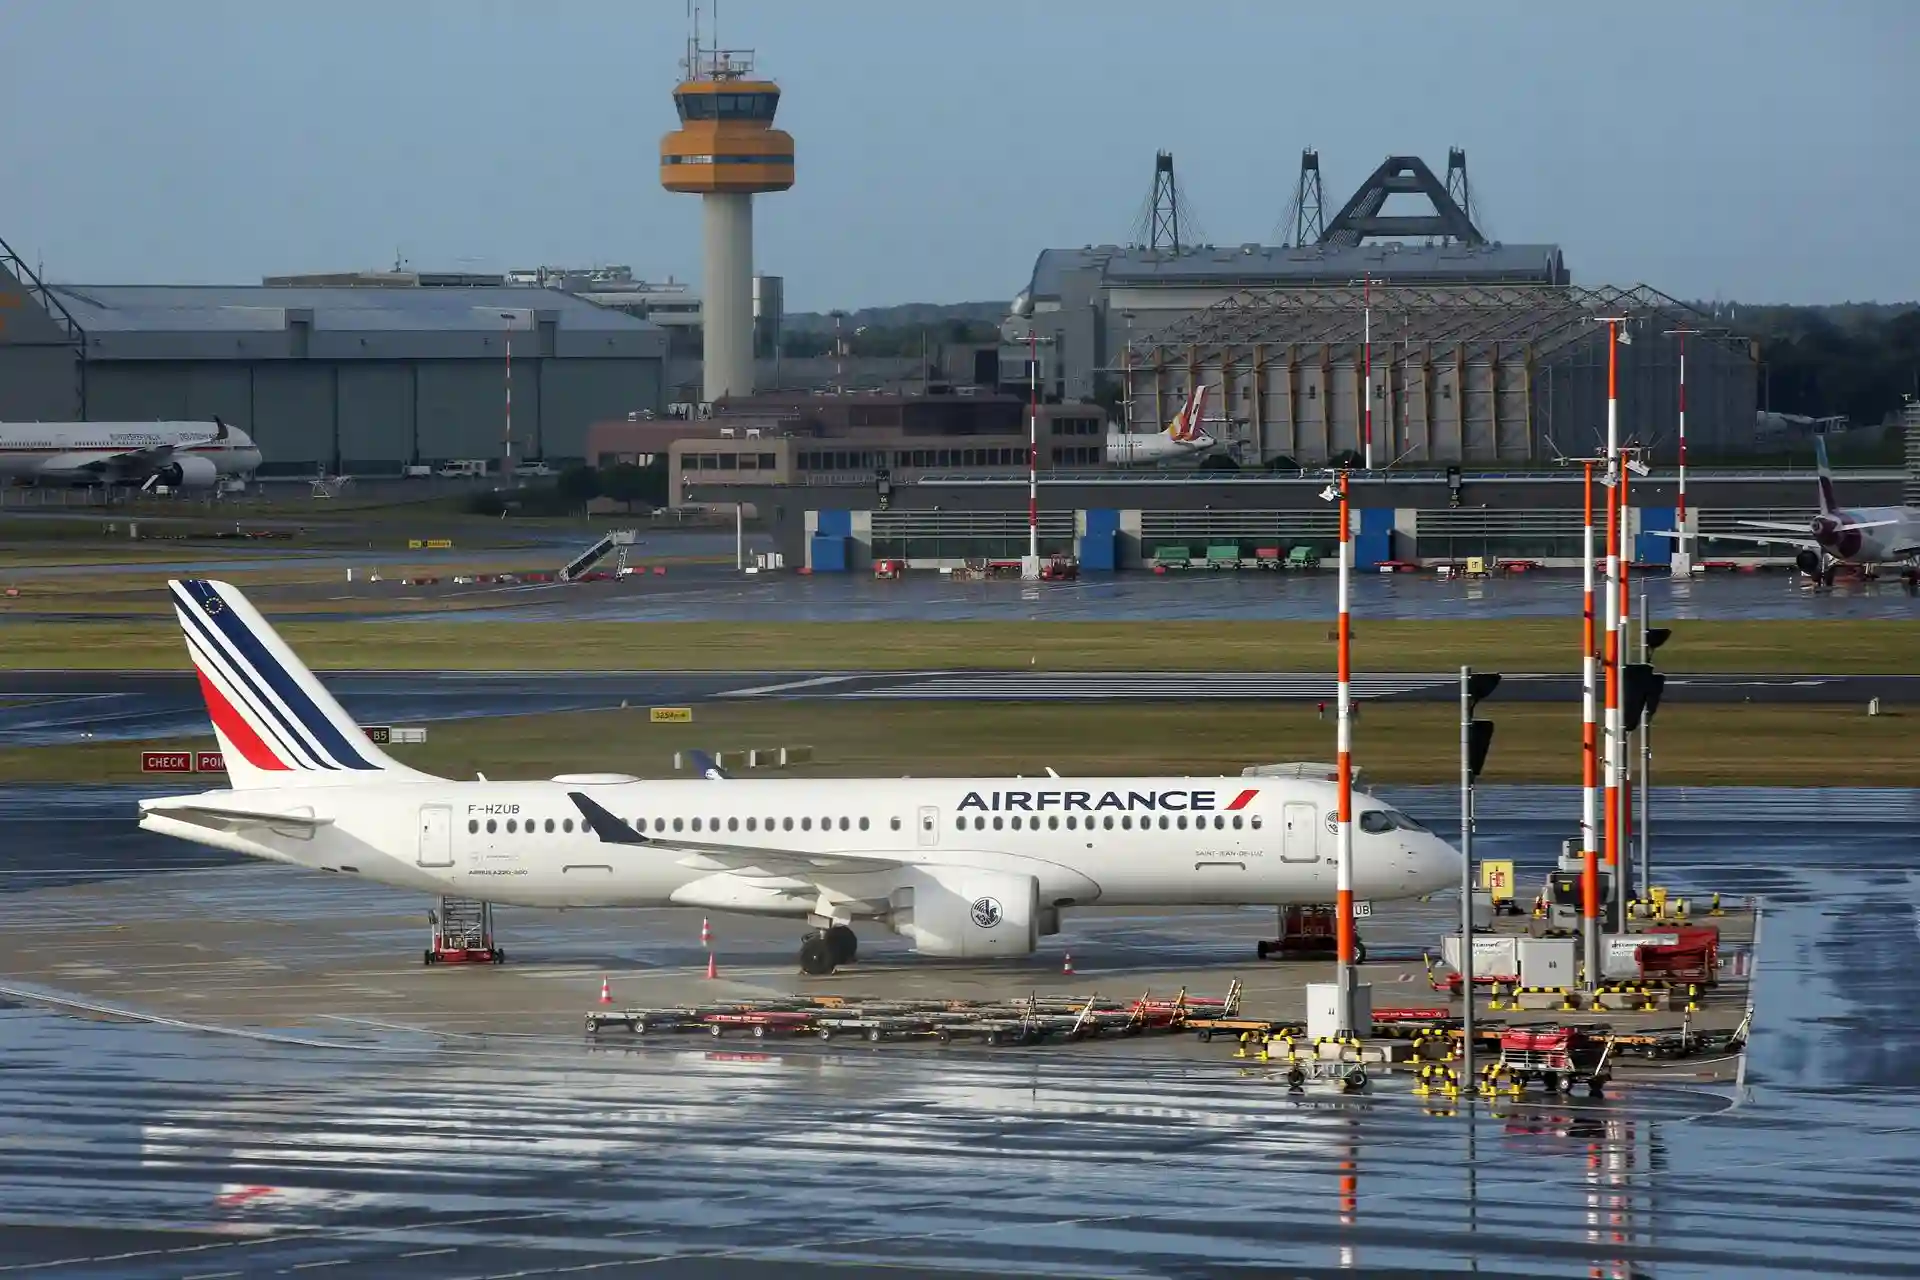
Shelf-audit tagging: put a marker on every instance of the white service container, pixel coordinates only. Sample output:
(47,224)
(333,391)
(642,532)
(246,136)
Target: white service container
(1322,1015)
(1494,958)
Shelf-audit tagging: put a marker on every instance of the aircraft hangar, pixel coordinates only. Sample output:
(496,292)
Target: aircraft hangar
(350,380)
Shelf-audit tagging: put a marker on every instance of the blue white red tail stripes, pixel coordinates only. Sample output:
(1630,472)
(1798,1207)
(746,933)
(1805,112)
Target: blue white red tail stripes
(277,725)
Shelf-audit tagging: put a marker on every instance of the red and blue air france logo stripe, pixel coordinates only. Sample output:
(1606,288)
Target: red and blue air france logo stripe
(257,704)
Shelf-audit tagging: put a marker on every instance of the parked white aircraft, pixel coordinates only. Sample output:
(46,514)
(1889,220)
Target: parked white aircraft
(970,867)
(1863,536)
(189,455)
(1186,436)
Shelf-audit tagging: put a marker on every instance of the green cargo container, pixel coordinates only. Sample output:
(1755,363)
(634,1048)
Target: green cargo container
(1172,557)
(1224,555)
(1303,558)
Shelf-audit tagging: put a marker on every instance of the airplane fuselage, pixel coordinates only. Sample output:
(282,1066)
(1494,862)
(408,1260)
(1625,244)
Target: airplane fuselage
(1115,841)
(1135,449)
(90,451)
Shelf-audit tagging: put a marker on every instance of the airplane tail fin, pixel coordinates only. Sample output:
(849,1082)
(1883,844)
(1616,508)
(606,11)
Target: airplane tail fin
(1828,502)
(276,723)
(1186,424)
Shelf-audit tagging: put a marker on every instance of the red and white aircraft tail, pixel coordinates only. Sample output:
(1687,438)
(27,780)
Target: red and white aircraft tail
(277,724)
(1188,425)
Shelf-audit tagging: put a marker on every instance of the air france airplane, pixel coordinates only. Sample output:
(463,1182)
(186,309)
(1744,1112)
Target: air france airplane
(1185,437)
(966,867)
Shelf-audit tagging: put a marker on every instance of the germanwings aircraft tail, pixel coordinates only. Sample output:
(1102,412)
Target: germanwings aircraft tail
(1828,502)
(1188,424)
(278,726)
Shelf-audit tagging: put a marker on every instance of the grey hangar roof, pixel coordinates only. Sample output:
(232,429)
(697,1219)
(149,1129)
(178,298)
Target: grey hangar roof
(262,322)
(1255,265)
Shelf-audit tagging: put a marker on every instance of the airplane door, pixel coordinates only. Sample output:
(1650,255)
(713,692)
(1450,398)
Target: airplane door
(929,825)
(436,836)
(1298,833)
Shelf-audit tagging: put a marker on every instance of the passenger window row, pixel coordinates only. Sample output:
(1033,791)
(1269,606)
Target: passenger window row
(531,825)
(1373,820)
(515,825)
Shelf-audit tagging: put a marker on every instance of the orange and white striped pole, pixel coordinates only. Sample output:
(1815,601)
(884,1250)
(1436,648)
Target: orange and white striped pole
(1623,789)
(1589,759)
(1611,651)
(1343,829)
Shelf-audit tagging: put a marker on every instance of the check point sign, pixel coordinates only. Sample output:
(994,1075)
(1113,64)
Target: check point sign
(182,762)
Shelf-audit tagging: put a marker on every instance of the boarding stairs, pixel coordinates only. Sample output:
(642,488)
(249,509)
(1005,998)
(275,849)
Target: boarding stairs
(578,567)
(462,933)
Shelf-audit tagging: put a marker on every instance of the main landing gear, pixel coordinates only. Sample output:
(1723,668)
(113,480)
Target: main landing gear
(824,950)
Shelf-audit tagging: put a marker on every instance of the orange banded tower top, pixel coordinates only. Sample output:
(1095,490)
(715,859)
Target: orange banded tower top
(726,141)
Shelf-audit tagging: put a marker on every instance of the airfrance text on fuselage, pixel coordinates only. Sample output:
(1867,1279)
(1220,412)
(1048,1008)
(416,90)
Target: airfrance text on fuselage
(1087,801)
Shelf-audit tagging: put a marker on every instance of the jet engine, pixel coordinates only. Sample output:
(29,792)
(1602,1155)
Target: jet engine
(966,911)
(188,472)
(1809,562)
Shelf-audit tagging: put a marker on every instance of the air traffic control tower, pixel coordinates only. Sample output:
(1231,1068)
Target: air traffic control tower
(724,151)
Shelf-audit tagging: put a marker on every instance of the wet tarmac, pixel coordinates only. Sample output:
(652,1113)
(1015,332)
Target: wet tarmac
(47,707)
(720,595)
(360,1147)
(709,592)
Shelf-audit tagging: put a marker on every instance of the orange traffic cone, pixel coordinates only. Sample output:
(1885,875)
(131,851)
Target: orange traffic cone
(713,966)
(606,995)
(706,933)
(1066,966)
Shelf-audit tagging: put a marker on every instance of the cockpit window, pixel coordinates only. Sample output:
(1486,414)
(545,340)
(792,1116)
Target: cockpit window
(1405,823)
(1376,822)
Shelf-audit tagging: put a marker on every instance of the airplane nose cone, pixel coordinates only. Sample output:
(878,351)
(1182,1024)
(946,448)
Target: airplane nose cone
(1436,865)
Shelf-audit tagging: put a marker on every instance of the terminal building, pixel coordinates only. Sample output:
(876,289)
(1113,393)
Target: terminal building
(340,378)
(1480,353)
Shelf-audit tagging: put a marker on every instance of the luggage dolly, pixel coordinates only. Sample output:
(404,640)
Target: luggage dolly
(1301,1067)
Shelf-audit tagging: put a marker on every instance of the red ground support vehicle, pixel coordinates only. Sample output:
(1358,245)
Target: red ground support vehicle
(1060,569)
(1558,1057)
(1307,932)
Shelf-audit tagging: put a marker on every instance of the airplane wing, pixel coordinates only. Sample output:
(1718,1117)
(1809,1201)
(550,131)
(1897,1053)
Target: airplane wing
(221,817)
(1800,528)
(746,860)
(141,461)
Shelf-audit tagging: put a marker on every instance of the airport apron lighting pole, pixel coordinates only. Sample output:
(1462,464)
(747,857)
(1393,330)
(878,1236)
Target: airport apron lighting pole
(1623,788)
(1682,563)
(1589,761)
(1475,737)
(1611,653)
(1030,568)
(1366,345)
(506,464)
(1343,769)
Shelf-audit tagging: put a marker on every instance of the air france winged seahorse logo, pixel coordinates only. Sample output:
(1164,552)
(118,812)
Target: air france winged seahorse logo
(986,912)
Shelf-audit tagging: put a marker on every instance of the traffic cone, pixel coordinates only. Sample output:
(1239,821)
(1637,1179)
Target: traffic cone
(713,966)
(706,932)
(1066,966)
(606,994)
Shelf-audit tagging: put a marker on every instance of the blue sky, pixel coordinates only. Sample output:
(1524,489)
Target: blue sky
(1742,149)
